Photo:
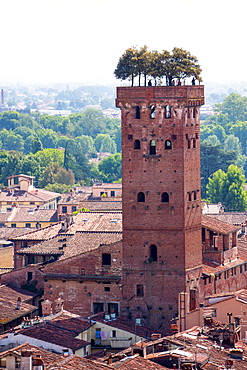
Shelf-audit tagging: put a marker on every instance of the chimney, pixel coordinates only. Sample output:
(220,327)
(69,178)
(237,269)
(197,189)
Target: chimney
(58,305)
(65,352)
(26,360)
(46,307)
(109,361)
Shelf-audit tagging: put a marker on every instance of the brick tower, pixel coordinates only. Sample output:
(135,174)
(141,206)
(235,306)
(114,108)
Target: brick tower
(162,253)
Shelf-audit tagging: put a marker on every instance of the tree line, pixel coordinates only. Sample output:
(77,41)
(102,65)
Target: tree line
(179,64)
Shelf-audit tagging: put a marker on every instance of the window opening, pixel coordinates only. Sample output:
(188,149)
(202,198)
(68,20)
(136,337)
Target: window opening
(113,309)
(152,149)
(167,111)
(29,275)
(64,209)
(152,112)
(194,143)
(141,197)
(194,112)
(106,259)
(165,198)
(189,196)
(137,144)
(188,143)
(98,307)
(194,195)
(112,193)
(138,113)
(168,144)
(153,253)
(139,290)
(113,333)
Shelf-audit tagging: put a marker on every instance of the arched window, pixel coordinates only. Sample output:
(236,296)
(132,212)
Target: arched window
(153,253)
(167,111)
(168,144)
(141,197)
(137,144)
(152,112)
(152,147)
(138,113)
(165,198)
(194,112)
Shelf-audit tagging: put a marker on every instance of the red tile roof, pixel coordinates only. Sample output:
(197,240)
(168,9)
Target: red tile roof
(48,332)
(218,226)
(77,363)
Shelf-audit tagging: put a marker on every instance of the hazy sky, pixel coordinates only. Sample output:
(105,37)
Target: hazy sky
(82,40)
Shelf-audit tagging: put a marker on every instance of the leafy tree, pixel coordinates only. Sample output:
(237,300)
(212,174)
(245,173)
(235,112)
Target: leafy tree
(48,156)
(177,64)
(232,143)
(85,144)
(239,129)
(110,168)
(212,140)
(103,143)
(57,174)
(214,158)
(36,145)
(235,107)
(48,138)
(11,141)
(58,188)
(228,188)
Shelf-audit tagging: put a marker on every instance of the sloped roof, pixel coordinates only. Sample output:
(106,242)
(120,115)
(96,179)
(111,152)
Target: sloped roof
(69,246)
(214,224)
(47,356)
(36,195)
(77,363)
(234,218)
(126,325)
(50,333)
(25,214)
(96,221)
(44,233)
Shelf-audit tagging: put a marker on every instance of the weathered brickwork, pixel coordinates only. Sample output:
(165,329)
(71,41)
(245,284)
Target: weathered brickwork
(87,283)
(161,197)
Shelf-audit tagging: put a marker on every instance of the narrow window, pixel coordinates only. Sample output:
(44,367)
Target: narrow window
(167,111)
(153,253)
(165,198)
(152,147)
(141,197)
(194,112)
(168,144)
(112,193)
(113,333)
(29,275)
(138,113)
(189,196)
(188,112)
(106,259)
(194,192)
(194,143)
(74,209)
(139,290)
(152,112)
(137,144)
(64,209)
(188,143)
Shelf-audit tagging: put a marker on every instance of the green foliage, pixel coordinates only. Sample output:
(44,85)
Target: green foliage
(47,156)
(54,173)
(58,188)
(177,64)
(235,107)
(83,209)
(228,188)
(103,143)
(110,168)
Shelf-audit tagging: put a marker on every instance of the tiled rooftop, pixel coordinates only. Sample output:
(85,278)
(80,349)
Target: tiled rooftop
(48,332)
(127,325)
(69,246)
(96,221)
(8,303)
(102,205)
(234,218)
(47,356)
(77,363)
(217,225)
(25,214)
(36,195)
(40,234)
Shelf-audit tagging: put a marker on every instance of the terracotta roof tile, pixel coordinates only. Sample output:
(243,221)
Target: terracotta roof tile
(217,225)
(102,205)
(40,234)
(77,363)
(16,195)
(67,246)
(47,356)
(96,221)
(53,334)
(127,325)
(25,214)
